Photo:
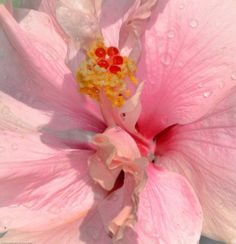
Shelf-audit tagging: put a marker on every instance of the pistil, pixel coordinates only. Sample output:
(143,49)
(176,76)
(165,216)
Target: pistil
(106,72)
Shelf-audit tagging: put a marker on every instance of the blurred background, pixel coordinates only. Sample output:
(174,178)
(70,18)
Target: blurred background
(205,240)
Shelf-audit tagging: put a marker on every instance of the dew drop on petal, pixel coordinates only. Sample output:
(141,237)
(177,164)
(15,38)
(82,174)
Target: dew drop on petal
(171,34)
(181,6)
(193,23)
(200,85)
(233,76)
(206,94)
(14,147)
(166,59)
(180,64)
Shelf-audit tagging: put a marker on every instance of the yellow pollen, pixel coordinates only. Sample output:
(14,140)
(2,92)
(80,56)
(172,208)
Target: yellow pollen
(106,72)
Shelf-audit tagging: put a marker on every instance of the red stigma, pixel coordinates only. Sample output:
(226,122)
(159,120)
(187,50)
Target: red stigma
(112,51)
(117,60)
(100,52)
(103,63)
(114,69)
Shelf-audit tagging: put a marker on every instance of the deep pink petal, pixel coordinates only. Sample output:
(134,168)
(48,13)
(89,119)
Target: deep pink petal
(188,61)
(205,153)
(169,211)
(47,194)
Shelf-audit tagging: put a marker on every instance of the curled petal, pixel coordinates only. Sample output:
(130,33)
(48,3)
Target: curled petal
(111,158)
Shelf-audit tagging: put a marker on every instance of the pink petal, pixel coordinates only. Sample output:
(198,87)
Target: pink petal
(79,20)
(133,27)
(169,211)
(33,72)
(205,153)
(113,14)
(44,195)
(188,61)
(62,234)
(126,23)
(109,214)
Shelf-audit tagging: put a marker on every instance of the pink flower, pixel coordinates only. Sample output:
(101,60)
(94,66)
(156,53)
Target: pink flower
(73,170)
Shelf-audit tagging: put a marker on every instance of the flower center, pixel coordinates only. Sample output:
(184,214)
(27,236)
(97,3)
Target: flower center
(106,72)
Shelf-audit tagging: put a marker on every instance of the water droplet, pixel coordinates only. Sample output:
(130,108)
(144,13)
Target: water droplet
(171,34)
(166,59)
(193,23)
(180,64)
(5,110)
(181,6)
(206,94)
(233,76)
(14,147)
(200,85)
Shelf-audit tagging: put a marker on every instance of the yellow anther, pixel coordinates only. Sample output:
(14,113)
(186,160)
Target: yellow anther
(106,72)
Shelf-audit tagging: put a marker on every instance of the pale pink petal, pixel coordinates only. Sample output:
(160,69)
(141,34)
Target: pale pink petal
(126,23)
(68,233)
(47,194)
(169,211)
(32,70)
(188,61)
(80,22)
(205,153)
(133,27)
(113,14)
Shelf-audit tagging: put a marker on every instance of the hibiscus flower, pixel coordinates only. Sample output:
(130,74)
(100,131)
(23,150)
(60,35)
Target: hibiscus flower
(100,102)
